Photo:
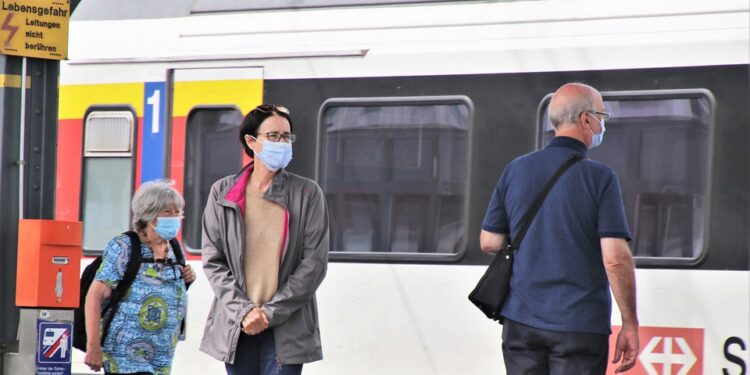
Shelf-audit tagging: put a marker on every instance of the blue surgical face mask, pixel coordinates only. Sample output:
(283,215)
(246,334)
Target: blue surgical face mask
(167,227)
(275,155)
(597,139)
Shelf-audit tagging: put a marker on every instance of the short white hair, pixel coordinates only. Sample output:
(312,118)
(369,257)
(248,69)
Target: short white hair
(572,106)
(152,198)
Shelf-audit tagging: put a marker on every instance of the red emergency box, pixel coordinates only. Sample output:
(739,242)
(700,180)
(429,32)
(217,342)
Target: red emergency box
(49,263)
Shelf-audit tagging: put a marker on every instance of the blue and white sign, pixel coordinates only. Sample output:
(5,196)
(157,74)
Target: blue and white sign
(54,348)
(154,108)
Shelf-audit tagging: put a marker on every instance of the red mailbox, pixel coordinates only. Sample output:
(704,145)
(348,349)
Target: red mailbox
(49,261)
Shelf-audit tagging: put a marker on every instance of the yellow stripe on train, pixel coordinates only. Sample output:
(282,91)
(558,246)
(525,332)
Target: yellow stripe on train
(245,94)
(76,99)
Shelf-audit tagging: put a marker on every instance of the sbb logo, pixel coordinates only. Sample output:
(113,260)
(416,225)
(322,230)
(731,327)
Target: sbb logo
(665,351)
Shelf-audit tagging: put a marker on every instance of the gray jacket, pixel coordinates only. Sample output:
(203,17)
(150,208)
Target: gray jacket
(292,311)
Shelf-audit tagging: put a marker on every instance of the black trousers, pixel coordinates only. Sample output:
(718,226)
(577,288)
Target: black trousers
(533,351)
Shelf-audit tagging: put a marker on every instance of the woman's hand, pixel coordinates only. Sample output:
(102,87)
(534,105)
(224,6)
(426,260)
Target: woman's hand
(254,322)
(187,273)
(94,358)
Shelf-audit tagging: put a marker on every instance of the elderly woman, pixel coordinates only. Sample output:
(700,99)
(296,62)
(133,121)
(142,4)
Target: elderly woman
(265,252)
(143,332)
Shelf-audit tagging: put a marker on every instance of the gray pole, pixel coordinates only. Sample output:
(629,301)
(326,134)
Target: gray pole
(33,186)
(26,192)
(22,139)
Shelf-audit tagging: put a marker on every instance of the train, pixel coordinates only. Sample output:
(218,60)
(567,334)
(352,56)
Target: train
(406,112)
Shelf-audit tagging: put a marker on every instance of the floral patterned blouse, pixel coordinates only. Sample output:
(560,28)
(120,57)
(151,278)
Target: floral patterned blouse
(144,332)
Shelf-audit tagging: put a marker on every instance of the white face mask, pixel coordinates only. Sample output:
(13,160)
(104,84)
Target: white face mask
(597,138)
(275,155)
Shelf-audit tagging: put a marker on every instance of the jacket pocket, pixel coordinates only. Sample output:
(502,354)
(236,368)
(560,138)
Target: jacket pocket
(310,321)
(217,334)
(300,324)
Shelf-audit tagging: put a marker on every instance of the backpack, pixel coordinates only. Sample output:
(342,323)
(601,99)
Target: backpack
(113,304)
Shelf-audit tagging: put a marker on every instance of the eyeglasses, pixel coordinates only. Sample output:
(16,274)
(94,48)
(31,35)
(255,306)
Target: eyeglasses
(604,115)
(277,137)
(266,108)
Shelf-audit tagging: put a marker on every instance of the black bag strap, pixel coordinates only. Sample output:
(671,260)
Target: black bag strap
(134,264)
(177,251)
(515,244)
(179,255)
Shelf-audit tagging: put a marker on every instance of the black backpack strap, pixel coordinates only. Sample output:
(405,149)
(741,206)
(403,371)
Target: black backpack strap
(179,255)
(531,214)
(177,251)
(134,264)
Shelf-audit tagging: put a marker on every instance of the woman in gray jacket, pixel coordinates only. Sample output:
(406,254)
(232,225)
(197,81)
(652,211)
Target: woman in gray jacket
(265,252)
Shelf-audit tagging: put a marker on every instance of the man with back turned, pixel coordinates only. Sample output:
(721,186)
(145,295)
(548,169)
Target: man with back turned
(557,314)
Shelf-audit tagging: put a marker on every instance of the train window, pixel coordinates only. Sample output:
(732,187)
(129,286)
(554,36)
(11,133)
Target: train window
(395,176)
(211,152)
(658,144)
(107,176)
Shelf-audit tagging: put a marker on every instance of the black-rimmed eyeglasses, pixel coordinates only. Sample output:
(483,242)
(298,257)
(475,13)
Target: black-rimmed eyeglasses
(277,137)
(604,115)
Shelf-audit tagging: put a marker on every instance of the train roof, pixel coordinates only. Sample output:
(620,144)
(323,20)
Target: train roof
(91,10)
(471,37)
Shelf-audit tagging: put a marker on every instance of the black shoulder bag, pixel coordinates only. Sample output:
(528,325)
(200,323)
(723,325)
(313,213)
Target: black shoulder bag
(490,293)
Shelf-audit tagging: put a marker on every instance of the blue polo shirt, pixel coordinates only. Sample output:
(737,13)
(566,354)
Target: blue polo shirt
(559,282)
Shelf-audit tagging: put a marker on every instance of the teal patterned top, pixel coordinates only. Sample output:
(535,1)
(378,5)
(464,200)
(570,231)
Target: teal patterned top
(144,332)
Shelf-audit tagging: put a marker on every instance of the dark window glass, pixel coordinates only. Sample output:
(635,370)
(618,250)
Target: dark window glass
(659,148)
(395,176)
(212,151)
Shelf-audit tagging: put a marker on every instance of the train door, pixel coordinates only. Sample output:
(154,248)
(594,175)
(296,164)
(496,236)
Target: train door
(108,168)
(98,156)
(206,110)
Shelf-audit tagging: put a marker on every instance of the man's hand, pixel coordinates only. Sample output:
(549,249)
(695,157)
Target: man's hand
(254,322)
(626,348)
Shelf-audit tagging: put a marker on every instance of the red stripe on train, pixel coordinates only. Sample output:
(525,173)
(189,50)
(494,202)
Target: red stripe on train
(69,162)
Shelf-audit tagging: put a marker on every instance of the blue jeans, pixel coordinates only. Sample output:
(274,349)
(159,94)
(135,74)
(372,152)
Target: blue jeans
(256,355)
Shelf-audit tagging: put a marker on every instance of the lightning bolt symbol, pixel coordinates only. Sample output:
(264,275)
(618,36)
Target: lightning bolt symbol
(7,26)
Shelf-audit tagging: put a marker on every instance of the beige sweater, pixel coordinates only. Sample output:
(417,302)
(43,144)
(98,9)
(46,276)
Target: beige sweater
(264,229)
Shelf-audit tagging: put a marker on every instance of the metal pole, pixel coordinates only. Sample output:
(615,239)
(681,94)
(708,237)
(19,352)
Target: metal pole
(22,149)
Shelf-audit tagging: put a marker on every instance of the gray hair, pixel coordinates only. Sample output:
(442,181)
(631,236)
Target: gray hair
(569,101)
(152,198)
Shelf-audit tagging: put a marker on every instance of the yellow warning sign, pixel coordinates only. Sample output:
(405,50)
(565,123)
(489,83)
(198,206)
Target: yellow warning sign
(35,28)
